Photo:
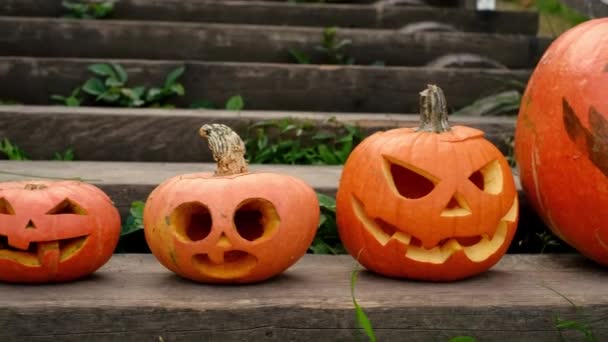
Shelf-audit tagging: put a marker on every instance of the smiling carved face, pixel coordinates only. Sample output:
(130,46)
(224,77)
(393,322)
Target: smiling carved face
(426,205)
(54,231)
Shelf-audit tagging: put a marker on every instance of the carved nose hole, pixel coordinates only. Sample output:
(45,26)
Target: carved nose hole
(457,206)
(192,221)
(30,225)
(224,241)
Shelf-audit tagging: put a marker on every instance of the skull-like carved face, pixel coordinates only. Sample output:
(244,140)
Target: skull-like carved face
(417,204)
(230,229)
(54,231)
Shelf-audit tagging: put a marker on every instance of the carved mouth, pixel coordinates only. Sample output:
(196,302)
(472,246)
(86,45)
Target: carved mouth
(476,248)
(42,253)
(225,265)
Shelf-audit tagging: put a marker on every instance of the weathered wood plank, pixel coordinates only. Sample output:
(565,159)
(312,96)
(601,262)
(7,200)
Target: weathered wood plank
(283,13)
(126,182)
(171,135)
(133,298)
(133,181)
(46,37)
(266,86)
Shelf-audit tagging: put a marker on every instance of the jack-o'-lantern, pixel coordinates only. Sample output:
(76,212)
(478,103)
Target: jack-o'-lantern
(561,140)
(432,203)
(232,226)
(54,231)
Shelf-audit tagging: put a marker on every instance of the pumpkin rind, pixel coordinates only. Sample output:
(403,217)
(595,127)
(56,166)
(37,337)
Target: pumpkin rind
(55,231)
(561,141)
(442,233)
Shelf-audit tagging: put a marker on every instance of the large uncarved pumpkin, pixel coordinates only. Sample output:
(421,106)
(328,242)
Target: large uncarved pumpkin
(561,141)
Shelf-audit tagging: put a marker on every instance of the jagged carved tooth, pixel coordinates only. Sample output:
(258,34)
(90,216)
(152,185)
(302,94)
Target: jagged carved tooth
(402,237)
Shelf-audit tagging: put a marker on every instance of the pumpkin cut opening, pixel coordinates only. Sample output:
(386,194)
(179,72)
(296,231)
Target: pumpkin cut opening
(192,221)
(67,206)
(256,218)
(5,207)
(231,264)
(410,182)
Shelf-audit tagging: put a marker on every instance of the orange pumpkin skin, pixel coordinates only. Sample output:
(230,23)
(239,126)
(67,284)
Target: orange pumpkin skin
(229,245)
(54,231)
(561,141)
(390,221)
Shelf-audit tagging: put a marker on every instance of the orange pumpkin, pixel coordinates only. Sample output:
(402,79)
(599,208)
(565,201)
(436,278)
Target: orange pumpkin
(54,231)
(232,226)
(561,141)
(433,203)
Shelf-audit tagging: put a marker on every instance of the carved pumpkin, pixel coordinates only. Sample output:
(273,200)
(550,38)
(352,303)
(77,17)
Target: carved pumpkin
(433,203)
(561,141)
(54,231)
(232,226)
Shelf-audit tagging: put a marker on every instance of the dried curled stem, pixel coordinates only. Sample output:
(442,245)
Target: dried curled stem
(433,110)
(34,186)
(227,147)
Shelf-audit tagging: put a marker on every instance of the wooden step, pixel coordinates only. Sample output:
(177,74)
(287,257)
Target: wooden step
(134,298)
(171,135)
(267,86)
(126,182)
(284,13)
(48,37)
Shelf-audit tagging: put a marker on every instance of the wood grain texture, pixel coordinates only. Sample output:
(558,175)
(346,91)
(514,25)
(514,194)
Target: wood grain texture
(282,13)
(266,86)
(45,37)
(133,298)
(132,181)
(126,182)
(171,135)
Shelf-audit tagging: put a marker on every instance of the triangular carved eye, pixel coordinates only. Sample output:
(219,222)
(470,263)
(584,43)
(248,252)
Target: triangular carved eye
(410,181)
(489,178)
(5,207)
(67,206)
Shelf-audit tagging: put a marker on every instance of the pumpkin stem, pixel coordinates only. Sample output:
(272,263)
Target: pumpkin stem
(227,147)
(33,186)
(433,110)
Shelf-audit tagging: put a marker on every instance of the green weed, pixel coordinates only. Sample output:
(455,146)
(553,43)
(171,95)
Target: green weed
(581,324)
(327,240)
(88,9)
(331,50)
(361,317)
(300,142)
(110,88)
(12,151)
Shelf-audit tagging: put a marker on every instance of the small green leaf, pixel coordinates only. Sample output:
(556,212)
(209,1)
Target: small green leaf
(72,102)
(121,73)
(235,103)
(102,69)
(94,86)
(178,89)
(56,97)
(173,76)
(326,202)
(153,94)
(134,222)
(362,319)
